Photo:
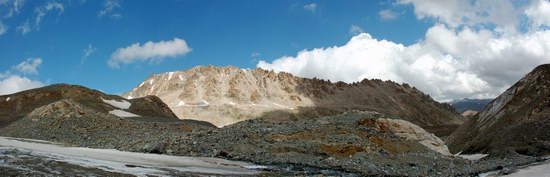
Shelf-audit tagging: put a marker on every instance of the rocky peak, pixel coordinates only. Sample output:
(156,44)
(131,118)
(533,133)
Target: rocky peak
(225,95)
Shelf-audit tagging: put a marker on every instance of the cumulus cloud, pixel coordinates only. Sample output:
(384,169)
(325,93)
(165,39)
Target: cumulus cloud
(29,66)
(388,14)
(355,30)
(310,7)
(108,8)
(14,82)
(539,13)
(41,11)
(150,51)
(455,13)
(457,58)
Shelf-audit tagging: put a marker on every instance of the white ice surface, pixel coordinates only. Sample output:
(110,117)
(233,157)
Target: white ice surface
(119,104)
(121,113)
(116,161)
(473,157)
(536,170)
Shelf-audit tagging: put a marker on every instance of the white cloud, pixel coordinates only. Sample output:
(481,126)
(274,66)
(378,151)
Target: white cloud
(29,66)
(24,28)
(388,14)
(3,28)
(41,11)
(150,51)
(466,12)
(108,7)
(12,83)
(471,50)
(88,51)
(447,64)
(310,7)
(255,54)
(355,30)
(539,13)
(11,7)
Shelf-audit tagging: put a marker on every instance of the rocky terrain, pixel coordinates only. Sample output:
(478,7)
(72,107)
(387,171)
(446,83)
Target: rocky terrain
(354,143)
(519,119)
(15,106)
(226,95)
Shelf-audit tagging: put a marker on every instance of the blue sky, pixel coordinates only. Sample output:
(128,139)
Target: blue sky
(220,33)
(75,39)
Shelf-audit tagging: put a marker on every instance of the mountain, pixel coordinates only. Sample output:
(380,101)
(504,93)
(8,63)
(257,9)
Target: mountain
(226,95)
(467,104)
(18,105)
(84,117)
(518,119)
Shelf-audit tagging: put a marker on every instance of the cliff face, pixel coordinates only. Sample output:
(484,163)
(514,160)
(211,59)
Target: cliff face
(519,118)
(225,95)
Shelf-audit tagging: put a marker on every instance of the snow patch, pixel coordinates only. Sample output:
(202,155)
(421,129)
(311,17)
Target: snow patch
(204,103)
(181,78)
(281,106)
(244,70)
(254,104)
(129,97)
(119,104)
(151,81)
(121,113)
(141,84)
(472,157)
(170,75)
(231,103)
(8,99)
(181,103)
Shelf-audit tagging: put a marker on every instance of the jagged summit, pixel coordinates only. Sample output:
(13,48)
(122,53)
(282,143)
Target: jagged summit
(518,118)
(225,95)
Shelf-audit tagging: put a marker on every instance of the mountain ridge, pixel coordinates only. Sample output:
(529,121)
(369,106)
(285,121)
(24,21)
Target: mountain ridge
(225,95)
(517,119)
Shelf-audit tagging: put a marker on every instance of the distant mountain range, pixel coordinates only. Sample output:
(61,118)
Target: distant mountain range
(465,104)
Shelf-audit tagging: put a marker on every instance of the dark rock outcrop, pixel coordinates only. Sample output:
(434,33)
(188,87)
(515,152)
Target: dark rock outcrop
(519,119)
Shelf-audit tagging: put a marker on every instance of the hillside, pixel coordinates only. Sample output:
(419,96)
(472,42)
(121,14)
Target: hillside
(518,119)
(226,95)
(15,106)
